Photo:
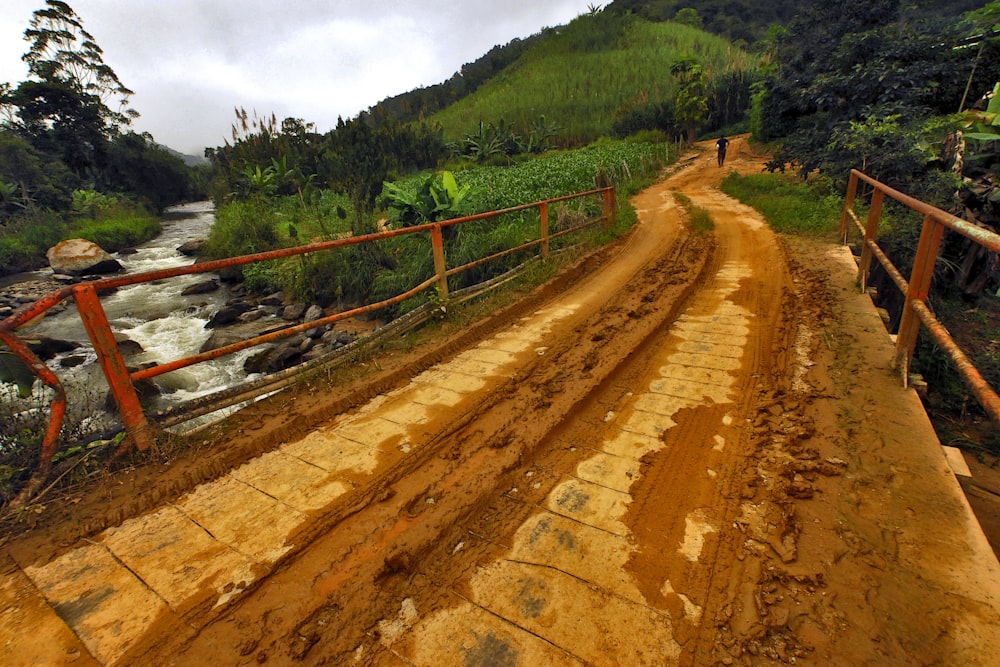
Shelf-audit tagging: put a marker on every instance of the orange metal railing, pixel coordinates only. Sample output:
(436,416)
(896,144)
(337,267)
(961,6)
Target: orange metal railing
(121,380)
(916,289)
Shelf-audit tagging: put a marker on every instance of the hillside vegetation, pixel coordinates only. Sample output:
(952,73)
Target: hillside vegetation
(589,74)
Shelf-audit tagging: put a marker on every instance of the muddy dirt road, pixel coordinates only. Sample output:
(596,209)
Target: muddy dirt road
(689,450)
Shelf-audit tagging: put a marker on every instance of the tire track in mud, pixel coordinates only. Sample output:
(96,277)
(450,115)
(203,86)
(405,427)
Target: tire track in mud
(551,582)
(557,527)
(384,532)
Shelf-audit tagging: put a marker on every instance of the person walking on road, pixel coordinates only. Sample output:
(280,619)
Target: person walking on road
(722,144)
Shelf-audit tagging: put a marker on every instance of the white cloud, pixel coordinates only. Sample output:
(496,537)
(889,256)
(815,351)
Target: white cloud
(191,61)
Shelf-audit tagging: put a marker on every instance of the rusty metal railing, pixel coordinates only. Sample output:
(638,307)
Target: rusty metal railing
(121,380)
(916,289)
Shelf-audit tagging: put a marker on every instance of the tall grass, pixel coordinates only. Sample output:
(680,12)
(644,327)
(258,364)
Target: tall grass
(24,240)
(123,230)
(790,206)
(586,88)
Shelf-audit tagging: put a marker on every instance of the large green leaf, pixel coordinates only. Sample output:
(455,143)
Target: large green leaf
(12,369)
(994,105)
(982,136)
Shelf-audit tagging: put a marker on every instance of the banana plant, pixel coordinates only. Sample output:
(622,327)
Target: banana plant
(432,201)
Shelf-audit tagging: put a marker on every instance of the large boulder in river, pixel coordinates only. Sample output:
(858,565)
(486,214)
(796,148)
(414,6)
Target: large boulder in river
(191,248)
(80,257)
(202,287)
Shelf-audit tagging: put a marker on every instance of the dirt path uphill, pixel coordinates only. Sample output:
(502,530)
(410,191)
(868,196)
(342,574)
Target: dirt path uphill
(694,454)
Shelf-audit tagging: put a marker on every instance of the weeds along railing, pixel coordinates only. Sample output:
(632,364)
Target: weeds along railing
(121,380)
(915,309)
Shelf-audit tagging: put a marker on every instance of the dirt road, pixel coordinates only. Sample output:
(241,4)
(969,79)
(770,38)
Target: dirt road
(690,450)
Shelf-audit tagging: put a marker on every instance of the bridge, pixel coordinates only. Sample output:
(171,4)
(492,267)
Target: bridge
(686,449)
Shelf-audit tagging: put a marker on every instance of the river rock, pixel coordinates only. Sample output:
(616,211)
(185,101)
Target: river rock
(220,338)
(277,299)
(257,363)
(191,248)
(203,287)
(128,347)
(79,257)
(313,313)
(337,338)
(252,315)
(227,314)
(285,355)
(318,331)
(46,348)
(73,361)
(293,312)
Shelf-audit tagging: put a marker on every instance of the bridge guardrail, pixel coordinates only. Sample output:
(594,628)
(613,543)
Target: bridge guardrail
(121,380)
(917,288)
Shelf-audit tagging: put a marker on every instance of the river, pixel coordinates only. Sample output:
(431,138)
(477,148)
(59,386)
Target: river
(157,316)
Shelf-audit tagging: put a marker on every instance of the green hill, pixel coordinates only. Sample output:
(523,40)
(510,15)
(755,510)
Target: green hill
(587,74)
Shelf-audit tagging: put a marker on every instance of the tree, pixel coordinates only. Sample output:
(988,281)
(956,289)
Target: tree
(62,109)
(689,17)
(62,50)
(692,95)
(39,179)
(842,71)
(357,160)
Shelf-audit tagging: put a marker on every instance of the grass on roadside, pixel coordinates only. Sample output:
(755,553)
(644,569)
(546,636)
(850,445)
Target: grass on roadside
(790,206)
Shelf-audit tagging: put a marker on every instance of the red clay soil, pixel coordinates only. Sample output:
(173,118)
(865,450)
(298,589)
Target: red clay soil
(817,480)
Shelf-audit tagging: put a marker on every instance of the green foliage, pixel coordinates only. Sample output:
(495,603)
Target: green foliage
(134,164)
(745,20)
(587,90)
(62,50)
(360,274)
(243,228)
(13,370)
(119,230)
(490,142)
(262,277)
(432,201)
(788,206)
(112,222)
(700,219)
(689,17)
(91,203)
(41,181)
(877,146)
(691,101)
(849,78)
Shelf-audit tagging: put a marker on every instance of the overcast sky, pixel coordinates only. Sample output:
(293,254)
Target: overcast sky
(190,62)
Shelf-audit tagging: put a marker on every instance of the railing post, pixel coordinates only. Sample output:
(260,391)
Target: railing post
(920,285)
(51,438)
(440,266)
(543,210)
(110,358)
(852,191)
(871,233)
(609,209)
(614,206)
